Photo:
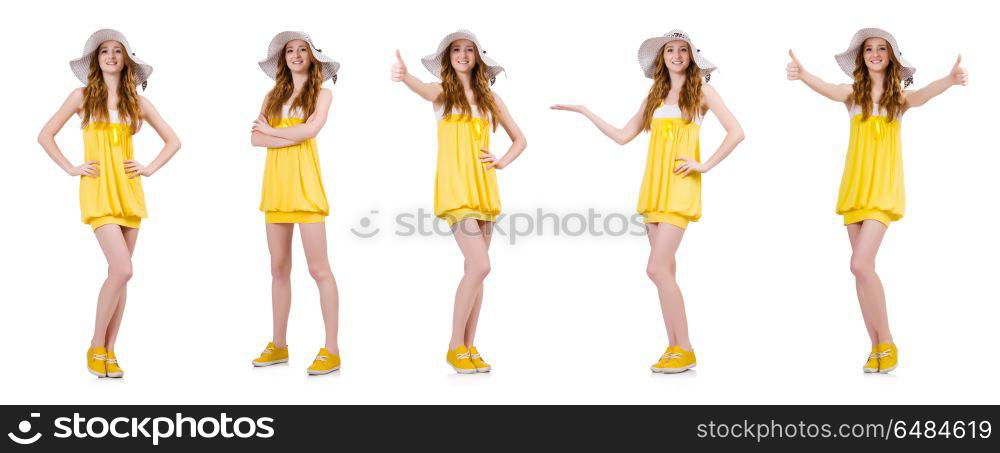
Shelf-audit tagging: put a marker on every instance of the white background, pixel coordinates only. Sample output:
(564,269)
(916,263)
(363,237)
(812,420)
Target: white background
(771,301)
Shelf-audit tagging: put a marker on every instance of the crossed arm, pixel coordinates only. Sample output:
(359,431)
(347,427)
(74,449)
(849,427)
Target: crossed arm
(263,135)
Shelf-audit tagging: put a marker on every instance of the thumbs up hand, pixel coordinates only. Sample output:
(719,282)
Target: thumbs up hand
(398,68)
(794,69)
(959,75)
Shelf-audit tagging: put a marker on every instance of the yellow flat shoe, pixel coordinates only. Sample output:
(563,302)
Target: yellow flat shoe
(888,356)
(96,362)
(675,360)
(477,361)
(461,360)
(111,364)
(324,363)
(271,356)
(871,366)
(662,363)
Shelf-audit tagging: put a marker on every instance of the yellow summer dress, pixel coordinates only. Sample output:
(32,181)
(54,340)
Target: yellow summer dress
(463,187)
(666,196)
(293,185)
(111,197)
(872,185)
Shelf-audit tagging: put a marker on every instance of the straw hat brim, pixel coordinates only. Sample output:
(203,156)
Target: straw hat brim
(433,61)
(847,59)
(652,46)
(274,53)
(81,66)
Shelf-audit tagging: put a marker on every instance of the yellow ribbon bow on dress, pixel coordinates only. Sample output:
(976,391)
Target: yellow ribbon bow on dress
(879,127)
(667,127)
(477,127)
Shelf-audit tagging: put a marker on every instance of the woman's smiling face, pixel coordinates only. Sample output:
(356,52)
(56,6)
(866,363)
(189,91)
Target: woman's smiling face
(677,56)
(876,54)
(298,57)
(463,55)
(111,57)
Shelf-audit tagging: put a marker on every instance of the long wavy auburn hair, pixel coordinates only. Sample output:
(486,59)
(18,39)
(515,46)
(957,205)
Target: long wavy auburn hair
(283,88)
(690,98)
(454,94)
(892,96)
(95,95)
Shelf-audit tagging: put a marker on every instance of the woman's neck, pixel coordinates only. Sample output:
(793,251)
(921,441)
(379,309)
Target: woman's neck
(112,81)
(677,80)
(299,80)
(466,79)
(878,80)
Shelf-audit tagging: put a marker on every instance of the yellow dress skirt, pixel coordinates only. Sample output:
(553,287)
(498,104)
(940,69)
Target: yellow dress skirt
(112,197)
(872,185)
(293,186)
(666,197)
(463,187)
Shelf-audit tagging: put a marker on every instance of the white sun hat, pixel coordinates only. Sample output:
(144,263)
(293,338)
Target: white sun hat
(81,66)
(847,59)
(275,52)
(433,61)
(651,47)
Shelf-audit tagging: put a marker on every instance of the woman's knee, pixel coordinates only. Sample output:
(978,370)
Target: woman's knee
(862,267)
(120,272)
(320,273)
(281,269)
(661,271)
(477,267)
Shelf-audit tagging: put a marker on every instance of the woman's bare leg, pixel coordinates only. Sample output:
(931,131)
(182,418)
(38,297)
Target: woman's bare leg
(279,243)
(131,234)
(853,230)
(664,239)
(116,251)
(314,242)
(865,248)
(470,328)
(469,237)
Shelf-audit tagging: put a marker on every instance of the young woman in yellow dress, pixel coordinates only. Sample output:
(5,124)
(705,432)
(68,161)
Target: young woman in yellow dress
(465,188)
(670,195)
(111,198)
(871,189)
(293,114)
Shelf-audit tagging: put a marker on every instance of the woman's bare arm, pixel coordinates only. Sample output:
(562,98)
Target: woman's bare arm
(836,92)
(301,132)
(957,76)
(428,91)
(518,141)
(621,136)
(47,137)
(171,143)
(734,132)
